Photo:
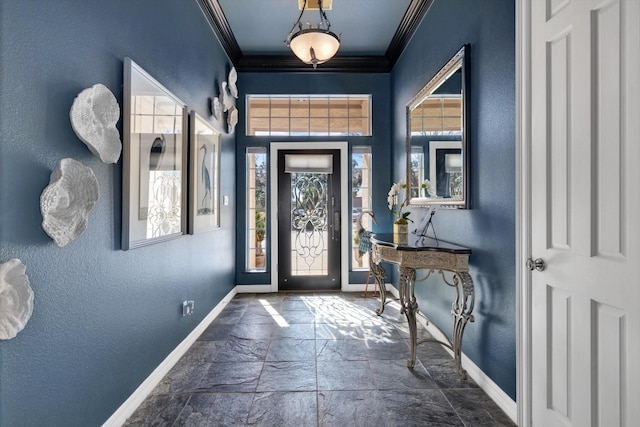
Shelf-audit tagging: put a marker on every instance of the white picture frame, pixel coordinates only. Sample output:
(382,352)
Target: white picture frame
(204,179)
(154,182)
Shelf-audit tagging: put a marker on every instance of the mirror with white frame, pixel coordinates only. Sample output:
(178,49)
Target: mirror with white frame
(437,142)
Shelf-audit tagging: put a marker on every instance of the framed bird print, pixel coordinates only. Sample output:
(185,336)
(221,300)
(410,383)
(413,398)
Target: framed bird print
(154,178)
(204,191)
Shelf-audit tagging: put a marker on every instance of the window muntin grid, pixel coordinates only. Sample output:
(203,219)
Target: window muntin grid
(257,220)
(416,171)
(308,115)
(437,115)
(361,192)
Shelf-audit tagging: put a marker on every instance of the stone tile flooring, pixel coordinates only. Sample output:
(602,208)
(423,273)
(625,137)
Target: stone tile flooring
(314,359)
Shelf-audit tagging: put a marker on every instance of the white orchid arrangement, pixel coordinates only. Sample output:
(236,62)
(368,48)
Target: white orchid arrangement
(392,202)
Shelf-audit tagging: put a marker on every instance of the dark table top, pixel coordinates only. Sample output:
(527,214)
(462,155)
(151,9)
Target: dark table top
(417,243)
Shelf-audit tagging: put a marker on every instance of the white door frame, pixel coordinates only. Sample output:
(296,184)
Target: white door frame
(524,205)
(523,211)
(344,200)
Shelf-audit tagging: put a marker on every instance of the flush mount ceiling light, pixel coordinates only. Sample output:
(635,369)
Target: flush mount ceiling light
(313,45)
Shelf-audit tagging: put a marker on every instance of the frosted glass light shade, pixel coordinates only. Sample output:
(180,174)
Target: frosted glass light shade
(308,163)
(325,44)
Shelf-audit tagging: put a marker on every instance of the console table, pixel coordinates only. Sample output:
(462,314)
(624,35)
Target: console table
(434,256)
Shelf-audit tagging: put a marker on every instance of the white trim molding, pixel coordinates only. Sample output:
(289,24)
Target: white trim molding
(523,211)
(496,394)
(130,405)
(343,146)
(254,289)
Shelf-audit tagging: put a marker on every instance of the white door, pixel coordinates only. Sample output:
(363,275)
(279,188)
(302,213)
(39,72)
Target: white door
(585,212)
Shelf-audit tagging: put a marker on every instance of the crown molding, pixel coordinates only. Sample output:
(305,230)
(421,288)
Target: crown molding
(410,21)
(289,63)
(214,14)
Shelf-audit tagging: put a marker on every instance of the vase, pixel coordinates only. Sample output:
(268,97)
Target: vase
(260,258)
(428,193)
(400,233)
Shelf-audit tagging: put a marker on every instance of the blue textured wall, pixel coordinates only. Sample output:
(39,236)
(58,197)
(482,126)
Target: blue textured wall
(103,318)
(489,227)
(377,85)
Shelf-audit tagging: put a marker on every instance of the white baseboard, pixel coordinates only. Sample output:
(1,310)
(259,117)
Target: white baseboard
(254,289)
(129,406)
(502,399)
(393,290)
(361,287)
(260,289)
(127,409)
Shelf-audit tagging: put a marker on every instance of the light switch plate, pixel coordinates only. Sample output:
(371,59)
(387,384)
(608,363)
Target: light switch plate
(187,308)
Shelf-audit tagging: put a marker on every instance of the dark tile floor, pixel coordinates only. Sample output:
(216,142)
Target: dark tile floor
(316,359)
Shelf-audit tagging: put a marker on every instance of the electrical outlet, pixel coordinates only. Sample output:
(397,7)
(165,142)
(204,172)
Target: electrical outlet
(187,308)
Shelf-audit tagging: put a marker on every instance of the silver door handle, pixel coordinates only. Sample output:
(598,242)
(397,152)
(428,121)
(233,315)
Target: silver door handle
(537,264)
(336,225)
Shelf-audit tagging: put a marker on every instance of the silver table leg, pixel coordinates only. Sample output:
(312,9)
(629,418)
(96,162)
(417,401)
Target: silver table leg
(409,307)
(379,276)
(461,310)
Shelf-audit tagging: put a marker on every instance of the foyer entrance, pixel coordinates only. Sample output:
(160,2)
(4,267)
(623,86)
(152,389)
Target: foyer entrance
(309,204)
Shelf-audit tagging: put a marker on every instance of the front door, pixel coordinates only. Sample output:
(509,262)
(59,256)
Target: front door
(585,233)
(309,225)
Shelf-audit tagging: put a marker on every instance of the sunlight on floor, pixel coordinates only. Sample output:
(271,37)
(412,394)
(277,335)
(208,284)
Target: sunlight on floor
(274,313)
(345,319)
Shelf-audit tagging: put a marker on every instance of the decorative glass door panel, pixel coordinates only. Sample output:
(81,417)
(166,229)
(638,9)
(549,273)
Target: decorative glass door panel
(309,224)
(309,220)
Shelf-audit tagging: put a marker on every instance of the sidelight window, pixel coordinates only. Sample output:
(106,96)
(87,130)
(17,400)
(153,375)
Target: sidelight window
(360,202)
(256,159)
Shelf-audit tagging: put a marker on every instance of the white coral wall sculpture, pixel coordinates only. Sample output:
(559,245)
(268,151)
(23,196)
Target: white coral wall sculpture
(225,97)
(232,119)
(66,202)
(16,298)
(94,115)
(233,80)
(217,109)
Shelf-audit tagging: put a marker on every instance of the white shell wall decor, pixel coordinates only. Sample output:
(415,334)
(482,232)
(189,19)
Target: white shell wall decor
(233,80)
(94,114)
(217,109)
(16,298)
(65,203)
(232,118)
(227,100)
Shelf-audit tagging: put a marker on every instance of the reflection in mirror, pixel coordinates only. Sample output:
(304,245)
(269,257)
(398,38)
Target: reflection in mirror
(154,184)
(437,160)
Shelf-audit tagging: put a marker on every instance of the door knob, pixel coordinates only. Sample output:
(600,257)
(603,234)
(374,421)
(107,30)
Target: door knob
(537,264)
